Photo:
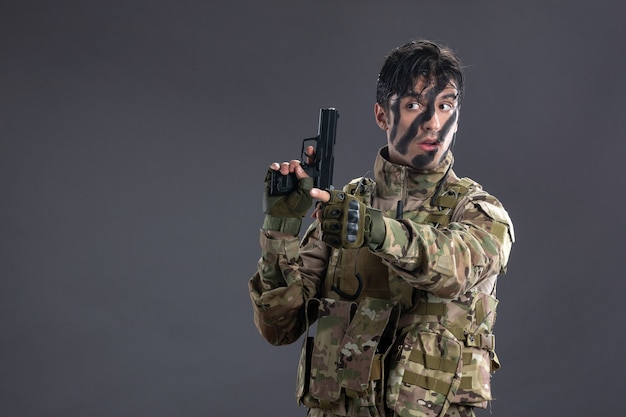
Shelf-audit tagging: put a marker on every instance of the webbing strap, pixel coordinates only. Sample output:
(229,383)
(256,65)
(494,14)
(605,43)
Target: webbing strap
(448,200)
(466,383)
(433,362)
(482,341)
(325,404)
(376,372)
(441,218)
(427,383)
(431,309)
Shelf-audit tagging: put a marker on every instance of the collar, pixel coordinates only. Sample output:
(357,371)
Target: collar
(399,182)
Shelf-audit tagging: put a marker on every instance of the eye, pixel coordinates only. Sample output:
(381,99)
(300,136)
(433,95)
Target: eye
(414,105)
(446,107)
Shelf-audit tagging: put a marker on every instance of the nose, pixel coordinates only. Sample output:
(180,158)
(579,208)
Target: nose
(432,123)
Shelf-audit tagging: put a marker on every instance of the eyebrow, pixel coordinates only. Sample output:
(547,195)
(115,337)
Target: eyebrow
(454,96)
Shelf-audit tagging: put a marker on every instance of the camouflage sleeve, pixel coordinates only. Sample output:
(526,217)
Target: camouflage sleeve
(288,274)
(449,261)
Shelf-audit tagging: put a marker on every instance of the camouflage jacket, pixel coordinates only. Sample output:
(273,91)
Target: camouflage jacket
(432,279)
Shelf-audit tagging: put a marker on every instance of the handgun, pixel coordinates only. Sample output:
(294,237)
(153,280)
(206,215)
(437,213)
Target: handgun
(321,168)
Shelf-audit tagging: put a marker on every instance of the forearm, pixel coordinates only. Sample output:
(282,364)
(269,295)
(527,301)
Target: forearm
(444,262)
(288,274)
(448,261)
(278,313)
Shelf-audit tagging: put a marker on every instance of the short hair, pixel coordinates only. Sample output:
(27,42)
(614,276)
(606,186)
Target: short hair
(406,63)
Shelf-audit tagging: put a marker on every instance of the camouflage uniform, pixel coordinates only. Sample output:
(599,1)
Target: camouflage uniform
(405,330)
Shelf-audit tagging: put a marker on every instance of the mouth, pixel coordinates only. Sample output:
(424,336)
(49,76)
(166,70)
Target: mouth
(429,144)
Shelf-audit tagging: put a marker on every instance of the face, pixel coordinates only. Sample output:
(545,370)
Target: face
(420,125)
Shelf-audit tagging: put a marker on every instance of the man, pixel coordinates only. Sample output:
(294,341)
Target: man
(399,272)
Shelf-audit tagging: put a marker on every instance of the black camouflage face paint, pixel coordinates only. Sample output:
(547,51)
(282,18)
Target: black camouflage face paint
(420,161)
(395,110)
(402,143)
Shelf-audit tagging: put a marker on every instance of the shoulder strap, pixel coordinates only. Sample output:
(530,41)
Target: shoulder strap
(448,201)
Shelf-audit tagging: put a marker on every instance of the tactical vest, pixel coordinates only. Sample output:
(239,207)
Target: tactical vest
(379,342)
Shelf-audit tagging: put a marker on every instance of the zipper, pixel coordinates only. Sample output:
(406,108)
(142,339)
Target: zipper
(403,193)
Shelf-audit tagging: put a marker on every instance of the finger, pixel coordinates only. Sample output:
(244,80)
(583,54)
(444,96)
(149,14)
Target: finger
(275,166)
(293,164)
(310,154)
(321,195)
(300,172)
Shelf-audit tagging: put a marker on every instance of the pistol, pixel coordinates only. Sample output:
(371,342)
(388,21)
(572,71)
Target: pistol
(321,169)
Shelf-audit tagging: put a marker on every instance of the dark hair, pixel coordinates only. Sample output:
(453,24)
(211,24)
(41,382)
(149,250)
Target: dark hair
(406,63)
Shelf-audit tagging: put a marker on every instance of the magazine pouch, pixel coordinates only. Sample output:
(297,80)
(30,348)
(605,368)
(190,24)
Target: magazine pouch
(345,358)
(317,372)
(360,353)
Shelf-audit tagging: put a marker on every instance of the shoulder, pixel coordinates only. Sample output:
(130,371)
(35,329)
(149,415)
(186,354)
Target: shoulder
(478,202)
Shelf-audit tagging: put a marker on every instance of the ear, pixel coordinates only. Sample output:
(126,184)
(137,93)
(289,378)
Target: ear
(381,116)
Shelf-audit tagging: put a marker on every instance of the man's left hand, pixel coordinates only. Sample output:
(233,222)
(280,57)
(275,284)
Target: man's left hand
(346,222)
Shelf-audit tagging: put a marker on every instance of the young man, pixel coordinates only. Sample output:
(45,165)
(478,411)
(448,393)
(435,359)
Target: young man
(398,272)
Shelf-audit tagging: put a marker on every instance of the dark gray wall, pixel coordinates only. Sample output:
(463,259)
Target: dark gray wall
(134,137)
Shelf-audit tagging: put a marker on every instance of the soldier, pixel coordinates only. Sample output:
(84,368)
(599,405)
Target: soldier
(398,272)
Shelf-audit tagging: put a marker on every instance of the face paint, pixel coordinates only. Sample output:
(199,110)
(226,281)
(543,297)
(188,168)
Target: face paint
(395,110)
(415,139)
(420,161)
(402,144)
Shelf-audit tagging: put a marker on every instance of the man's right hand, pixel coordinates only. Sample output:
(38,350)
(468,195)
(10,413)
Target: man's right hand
(295,204)
(284,213)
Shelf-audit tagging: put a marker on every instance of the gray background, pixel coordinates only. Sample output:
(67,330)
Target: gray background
(134,137)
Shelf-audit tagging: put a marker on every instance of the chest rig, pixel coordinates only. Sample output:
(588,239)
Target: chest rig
(363,305)
(358,273)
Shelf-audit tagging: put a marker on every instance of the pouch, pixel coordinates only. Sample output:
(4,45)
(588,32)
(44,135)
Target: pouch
(426,374)
(479,357)
(475,387)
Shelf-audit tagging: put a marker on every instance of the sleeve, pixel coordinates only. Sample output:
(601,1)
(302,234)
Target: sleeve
(288,273)
(449,261)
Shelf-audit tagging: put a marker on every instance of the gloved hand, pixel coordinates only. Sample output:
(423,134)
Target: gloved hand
(285,212)
(348,223)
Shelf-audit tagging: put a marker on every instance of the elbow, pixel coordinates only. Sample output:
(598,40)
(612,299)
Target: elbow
(449,277)
(278,333)
(273,338)
(453,290)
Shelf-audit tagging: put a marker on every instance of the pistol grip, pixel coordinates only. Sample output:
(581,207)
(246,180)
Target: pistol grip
(282,184)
